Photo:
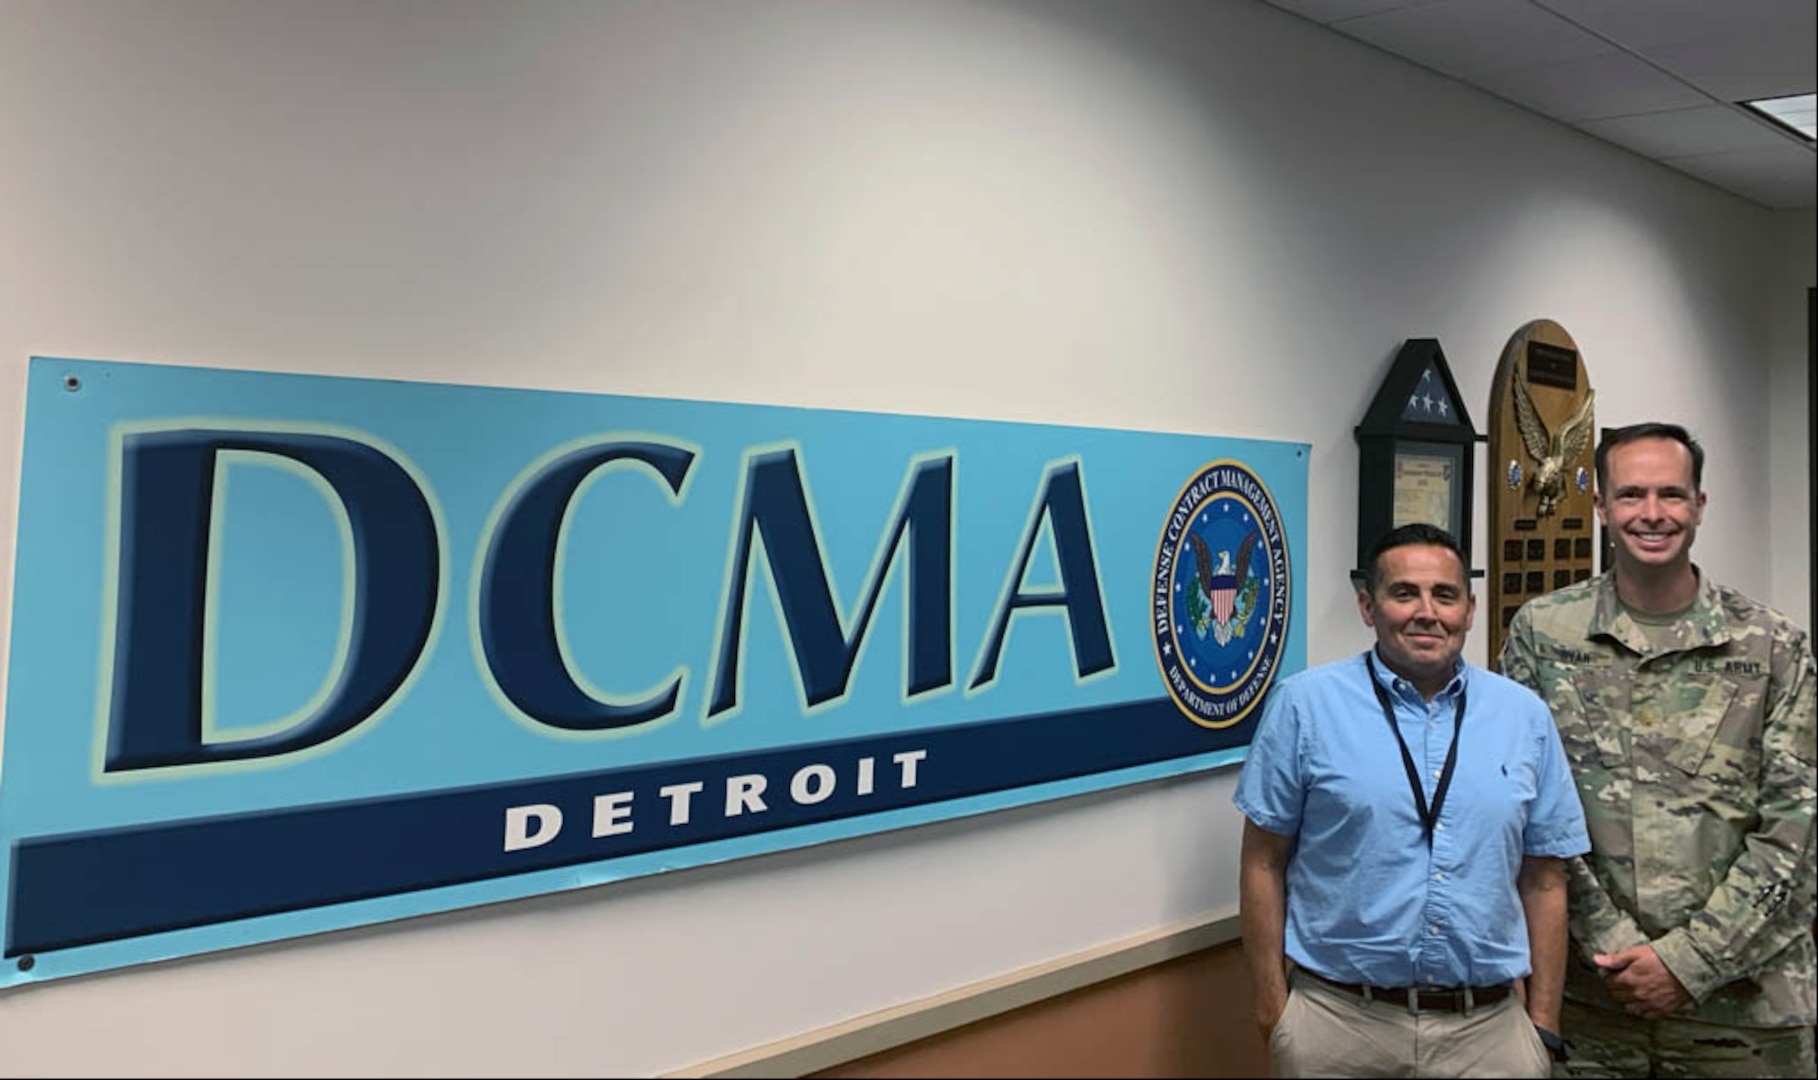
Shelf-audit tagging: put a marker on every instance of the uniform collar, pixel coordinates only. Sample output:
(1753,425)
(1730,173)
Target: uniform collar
(1701,626)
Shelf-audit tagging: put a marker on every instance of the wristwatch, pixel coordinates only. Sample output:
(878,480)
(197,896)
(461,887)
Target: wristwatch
(1555,1045)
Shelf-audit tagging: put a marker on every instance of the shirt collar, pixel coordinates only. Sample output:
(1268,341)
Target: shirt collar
(1393,682)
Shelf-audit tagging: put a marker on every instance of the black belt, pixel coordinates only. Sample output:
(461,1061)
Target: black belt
(1447,999)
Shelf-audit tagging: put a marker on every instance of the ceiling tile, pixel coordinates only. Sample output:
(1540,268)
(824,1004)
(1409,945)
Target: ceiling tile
(1325,11)
(1703,129)
(1653,76)
(1741,68)
(1637,24)
(1594,89)
(1469,38)
(1782,177)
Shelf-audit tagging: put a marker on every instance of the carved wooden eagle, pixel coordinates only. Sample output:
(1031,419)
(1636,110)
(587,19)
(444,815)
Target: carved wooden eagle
(1552,455)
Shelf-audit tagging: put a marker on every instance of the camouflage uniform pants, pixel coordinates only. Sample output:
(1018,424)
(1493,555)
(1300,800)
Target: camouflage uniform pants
(1606,1043)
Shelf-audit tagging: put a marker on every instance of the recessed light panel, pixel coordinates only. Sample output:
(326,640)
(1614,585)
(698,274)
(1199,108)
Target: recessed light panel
(1795,112)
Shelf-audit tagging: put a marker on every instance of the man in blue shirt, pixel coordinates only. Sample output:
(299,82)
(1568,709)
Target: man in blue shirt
(1403,891)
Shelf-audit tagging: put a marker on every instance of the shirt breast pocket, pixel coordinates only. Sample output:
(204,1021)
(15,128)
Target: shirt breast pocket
(1690,735)
(1588,734)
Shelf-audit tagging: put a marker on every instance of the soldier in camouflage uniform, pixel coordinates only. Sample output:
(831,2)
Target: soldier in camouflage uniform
(1686,710)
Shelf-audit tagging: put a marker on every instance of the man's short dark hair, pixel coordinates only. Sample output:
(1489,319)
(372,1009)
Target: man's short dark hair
(1650,430)
(1406,536)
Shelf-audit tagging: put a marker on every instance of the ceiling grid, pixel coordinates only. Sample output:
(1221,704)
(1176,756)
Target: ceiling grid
(1660,78)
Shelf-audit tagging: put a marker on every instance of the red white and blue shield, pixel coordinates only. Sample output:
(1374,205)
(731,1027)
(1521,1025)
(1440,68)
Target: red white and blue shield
(1223,595)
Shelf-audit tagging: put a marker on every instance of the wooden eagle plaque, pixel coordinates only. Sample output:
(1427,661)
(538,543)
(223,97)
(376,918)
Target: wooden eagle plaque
(1543,524)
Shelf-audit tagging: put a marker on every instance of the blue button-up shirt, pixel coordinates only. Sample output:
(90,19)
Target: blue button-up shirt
(1368,901)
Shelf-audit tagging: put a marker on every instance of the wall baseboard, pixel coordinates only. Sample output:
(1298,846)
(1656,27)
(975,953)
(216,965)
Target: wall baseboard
(886,1029)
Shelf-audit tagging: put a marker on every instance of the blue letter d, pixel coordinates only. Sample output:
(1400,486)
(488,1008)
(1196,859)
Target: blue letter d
(167,483)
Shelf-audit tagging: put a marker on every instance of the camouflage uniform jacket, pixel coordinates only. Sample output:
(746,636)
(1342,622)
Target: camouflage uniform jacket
(1695,765)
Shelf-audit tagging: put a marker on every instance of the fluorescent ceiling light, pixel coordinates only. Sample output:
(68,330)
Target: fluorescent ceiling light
(1796,112)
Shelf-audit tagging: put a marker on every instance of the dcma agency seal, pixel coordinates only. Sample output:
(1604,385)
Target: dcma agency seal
(1219,607)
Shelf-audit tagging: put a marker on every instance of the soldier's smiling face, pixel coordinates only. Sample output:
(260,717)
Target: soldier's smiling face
(1421,610)
(1651,505)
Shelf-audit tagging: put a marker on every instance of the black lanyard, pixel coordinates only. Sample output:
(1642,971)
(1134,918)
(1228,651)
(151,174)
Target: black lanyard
(1427,819)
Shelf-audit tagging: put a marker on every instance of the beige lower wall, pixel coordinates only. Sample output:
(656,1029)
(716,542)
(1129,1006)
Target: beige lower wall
(1185,1017)
(1173,1001)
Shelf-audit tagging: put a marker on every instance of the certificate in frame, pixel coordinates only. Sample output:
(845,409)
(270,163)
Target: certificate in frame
(1427,485)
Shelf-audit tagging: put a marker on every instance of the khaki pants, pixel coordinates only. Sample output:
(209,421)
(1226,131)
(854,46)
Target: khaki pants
(1609,1043)
(1327,1032)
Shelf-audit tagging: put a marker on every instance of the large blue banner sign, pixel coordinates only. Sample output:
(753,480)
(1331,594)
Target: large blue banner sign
(294,653)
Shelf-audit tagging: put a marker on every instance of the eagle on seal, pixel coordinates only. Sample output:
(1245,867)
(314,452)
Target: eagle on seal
(1225,584)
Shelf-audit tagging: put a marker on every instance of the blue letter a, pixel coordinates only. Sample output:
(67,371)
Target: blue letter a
(1063,503)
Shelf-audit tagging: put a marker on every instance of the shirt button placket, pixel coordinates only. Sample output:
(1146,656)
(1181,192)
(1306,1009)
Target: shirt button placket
(1435,953)
(1434,712)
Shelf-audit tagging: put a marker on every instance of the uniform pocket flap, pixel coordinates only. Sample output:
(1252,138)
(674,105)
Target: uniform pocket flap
(1687,732)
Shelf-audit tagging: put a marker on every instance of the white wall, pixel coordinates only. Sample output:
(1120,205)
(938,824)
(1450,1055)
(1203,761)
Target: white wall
(1014,211)
(1791,515)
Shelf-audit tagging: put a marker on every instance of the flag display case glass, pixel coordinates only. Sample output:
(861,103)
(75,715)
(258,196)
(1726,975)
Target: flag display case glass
(1415,460)
(1542,514)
